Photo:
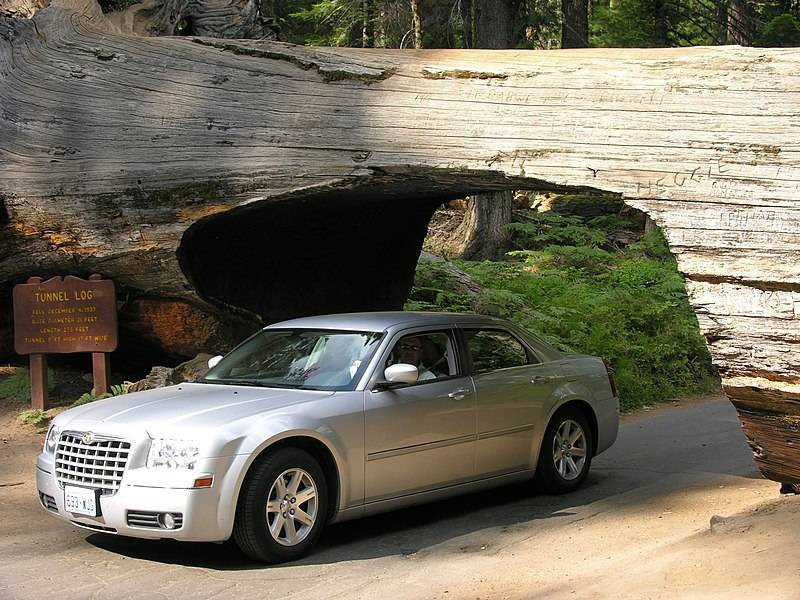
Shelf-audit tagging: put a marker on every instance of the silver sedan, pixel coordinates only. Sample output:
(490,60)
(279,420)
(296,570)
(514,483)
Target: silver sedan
(330,418)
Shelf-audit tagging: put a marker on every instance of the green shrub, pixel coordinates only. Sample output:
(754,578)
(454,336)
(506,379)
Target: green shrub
(35,417)
(540,233)
(783,31)
(16,388)
(651,245)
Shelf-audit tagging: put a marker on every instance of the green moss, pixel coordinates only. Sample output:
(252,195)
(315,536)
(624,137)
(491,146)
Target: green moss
(462,74)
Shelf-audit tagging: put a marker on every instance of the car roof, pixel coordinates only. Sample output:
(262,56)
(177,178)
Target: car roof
(381,321)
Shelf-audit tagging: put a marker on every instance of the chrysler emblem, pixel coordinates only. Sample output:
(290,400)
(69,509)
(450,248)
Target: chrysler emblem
(88,438)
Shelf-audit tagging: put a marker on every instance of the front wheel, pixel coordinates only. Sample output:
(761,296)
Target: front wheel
(566,453)
(282,507)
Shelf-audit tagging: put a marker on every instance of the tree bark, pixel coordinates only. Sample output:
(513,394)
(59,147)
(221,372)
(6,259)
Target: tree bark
(204,176)
(660,31)
(368,24)
(416,24)
(495,23)
(720,22)
(21,9)
(236,19)
(741,23)
(467,22)
(574,23)
(483,230)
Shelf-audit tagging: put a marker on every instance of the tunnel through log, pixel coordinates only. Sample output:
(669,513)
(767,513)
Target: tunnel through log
(327,253)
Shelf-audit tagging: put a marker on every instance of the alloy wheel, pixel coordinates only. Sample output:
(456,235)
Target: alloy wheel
(569,449)
(292,507)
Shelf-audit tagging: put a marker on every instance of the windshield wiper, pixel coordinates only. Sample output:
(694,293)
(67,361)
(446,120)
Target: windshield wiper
(251,383)
(248,382)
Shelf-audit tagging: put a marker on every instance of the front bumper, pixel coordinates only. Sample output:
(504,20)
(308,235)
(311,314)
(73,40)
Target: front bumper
(207,513)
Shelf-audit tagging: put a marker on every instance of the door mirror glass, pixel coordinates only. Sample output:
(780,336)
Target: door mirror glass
(401,373)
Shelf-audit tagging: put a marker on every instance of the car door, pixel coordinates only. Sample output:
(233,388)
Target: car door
(513,387)
(420,436)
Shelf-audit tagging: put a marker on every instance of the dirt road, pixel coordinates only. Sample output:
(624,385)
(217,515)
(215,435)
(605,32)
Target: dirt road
(640,528)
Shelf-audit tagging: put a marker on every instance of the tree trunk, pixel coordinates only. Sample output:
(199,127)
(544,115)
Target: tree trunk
(661,23)
(467,22)
(741,23)
(416,24)
(484,234)
(483,230)
(495,21)
(720,22)
(204,176)
(574,23)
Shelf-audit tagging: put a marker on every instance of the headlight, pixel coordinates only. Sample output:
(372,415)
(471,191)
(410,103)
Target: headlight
(172,454)
(51,440)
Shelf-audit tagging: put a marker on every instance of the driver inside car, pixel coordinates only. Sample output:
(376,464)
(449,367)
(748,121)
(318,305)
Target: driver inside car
(411,350)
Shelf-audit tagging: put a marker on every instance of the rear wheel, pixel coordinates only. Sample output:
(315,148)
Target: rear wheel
(566,453)
(282,507)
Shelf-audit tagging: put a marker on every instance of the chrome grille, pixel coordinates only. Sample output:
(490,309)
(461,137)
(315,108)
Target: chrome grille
(99,464)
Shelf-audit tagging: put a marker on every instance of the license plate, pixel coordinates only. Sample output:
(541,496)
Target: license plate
(82,501)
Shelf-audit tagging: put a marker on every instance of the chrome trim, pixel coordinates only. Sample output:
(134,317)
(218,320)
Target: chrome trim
(99,528)
(145,519)
(448,442)
(507,431)
(420,447)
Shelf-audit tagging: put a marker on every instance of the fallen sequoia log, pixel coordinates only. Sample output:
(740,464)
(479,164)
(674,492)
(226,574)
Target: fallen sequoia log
(224,183)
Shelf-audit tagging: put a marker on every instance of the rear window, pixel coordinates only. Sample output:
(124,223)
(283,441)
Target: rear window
(492,349)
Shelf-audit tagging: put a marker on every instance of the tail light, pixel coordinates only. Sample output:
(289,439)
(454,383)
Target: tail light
(611,379)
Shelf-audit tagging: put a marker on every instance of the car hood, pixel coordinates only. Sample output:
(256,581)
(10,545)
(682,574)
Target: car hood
(187,405)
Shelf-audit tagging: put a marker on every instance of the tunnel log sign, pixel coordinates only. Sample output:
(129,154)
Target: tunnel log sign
(65,315)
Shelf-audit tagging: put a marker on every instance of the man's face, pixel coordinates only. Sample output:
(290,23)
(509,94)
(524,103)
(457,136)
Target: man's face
(410,351)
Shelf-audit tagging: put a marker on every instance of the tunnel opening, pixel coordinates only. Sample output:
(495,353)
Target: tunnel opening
(325,252)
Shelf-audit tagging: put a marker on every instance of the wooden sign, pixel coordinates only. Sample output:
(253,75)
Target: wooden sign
(62,316)
(65,315)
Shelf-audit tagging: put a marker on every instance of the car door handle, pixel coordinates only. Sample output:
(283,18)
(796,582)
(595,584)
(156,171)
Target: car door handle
(543,379)
(459,394)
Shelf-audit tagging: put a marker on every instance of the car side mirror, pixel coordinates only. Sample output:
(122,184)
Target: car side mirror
(214,360)
(401,373)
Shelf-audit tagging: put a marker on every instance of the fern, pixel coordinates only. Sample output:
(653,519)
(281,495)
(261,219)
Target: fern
(92,395)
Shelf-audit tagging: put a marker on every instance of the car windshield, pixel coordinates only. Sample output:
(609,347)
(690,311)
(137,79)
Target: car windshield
(297,358)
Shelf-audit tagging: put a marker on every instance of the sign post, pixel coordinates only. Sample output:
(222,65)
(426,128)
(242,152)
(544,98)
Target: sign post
(65,316)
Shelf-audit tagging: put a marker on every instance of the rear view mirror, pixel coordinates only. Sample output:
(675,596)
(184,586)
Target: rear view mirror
(214,360)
